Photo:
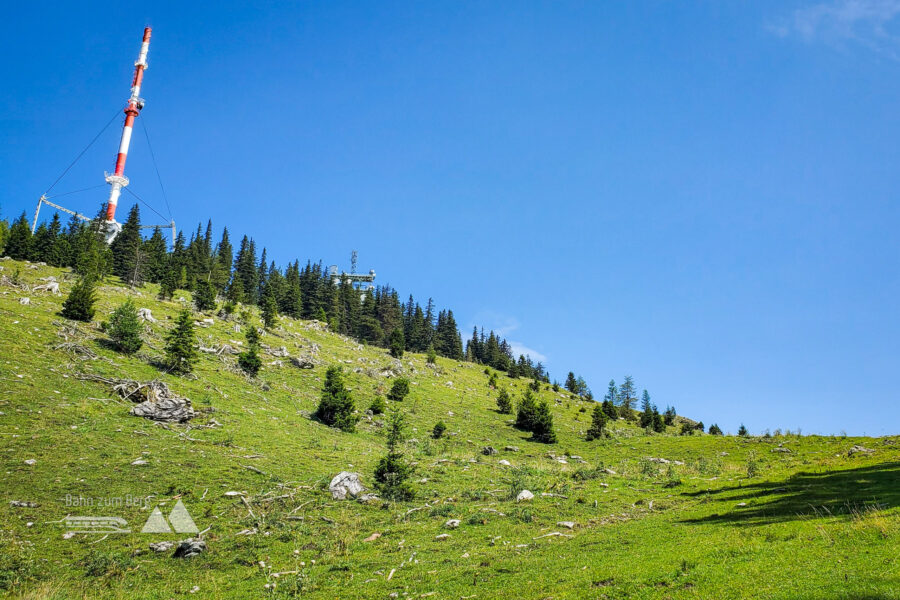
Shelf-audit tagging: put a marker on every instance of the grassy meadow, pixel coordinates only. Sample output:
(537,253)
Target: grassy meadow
(780,516)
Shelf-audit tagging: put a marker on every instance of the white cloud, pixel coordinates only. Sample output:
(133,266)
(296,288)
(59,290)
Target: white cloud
(519,348)
(870,23)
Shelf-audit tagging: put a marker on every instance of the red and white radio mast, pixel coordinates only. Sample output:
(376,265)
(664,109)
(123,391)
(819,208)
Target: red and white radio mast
(135,103)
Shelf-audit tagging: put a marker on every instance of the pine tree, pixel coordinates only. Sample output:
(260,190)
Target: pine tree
(659,424)
(669,415)
(124,328)
(542,424)
(399,389)
(392,471)
(155,257)
(526,412)
(126,247)
(79,304)
(571,384)
(398,343)
(336,404)
(627,394)
(18,241)
(181,353)
(612,392)
(249,359)
(269,310)
(598,424)
(504,403)
(204,296)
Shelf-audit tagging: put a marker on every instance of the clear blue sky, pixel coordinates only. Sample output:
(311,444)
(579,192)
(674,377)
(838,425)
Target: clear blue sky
(703,196)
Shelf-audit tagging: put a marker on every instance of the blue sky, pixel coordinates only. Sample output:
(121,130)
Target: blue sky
(703,195)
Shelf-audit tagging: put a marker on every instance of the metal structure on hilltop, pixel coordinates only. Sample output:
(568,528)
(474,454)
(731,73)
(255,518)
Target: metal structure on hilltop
(117,179)
(357,280)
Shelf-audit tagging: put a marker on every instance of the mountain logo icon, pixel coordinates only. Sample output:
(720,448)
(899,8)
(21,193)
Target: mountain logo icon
(180,520)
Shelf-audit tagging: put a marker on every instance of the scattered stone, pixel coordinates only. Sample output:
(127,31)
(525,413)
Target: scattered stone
(441,537)
(303,362)
(144,314)
(857,449)
(344,484)
(367,498)
(511,449)
(524,496)
(22,504)
(50,286)
(566,524)
(162,546)
(68,535)
(452,523)
(781,449)
(233,494)
(489,450)
(505,463)
(609,471)
(372,537)
(741,504)
(189,547)
(30,461)
(25,301)
(139,462)
(280,352)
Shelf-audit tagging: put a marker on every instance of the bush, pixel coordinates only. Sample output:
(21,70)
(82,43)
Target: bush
(392,471)
(399,389)
(79,304)
(431,356)
(378,405)
(397,343)
(438,431)
(598,424)
(336,405)
(124,328)
(180,352)
(504,403)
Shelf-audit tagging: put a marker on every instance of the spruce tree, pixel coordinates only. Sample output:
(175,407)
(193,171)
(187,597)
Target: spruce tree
(431,356)
(155,257)
(249,359)
(659,423)
(526,412)
(504,403)
(336,405)
(398,343)
(598,424)
(571,384)
(126,247)
(669,415)
(438,431)
(392,471)
(204,296)
(181,353)
(269,310)
(79,304)
(542,424)
(168,285)
(627,394)
(715,429)
(399,389)
(124,328)
(742,431)
(18,240)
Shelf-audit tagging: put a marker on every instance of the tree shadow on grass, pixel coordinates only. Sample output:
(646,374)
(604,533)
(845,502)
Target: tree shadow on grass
(807,495)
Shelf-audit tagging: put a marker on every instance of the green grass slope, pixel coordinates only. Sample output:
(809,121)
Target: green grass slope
(733,519)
